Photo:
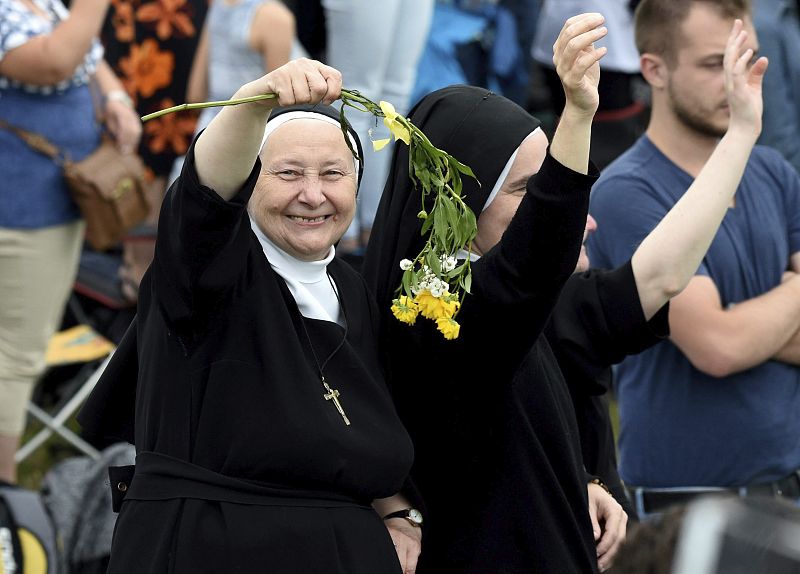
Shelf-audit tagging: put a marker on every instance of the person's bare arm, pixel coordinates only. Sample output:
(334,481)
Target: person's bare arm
(197,85)
(49,59)
(669,256)
(272,34)
(790,352)
(719,341)
(120,117)
(794,262)
(577,63)
(226,151)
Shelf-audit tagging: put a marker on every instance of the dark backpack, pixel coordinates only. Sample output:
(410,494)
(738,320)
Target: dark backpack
(27,535)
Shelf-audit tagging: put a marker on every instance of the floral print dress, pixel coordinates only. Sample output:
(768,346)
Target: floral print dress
(150,44)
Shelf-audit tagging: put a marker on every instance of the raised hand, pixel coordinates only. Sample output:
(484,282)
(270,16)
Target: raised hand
(577,60)
(743,81)
(225,151)
(301,81)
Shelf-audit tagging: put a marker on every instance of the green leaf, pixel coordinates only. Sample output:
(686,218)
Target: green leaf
(470,224)
(440,223)
(428,223)
(343,125)
(432,261)
(466,170)
(467,283)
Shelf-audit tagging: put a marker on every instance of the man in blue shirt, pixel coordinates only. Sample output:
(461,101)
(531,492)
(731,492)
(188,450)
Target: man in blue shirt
(718,405)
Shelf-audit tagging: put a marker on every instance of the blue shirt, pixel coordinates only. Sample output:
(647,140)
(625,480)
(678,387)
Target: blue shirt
(679,426)
(33,193)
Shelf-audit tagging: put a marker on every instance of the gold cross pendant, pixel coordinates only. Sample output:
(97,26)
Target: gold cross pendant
(333,395)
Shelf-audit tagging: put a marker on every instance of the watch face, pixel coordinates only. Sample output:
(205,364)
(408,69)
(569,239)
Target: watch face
(415,515)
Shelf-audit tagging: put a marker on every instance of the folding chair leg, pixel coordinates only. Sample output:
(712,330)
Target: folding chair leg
(56,423)
(51,426)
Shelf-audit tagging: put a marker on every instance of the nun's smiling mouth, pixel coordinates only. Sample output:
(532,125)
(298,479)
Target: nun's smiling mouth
(308,220)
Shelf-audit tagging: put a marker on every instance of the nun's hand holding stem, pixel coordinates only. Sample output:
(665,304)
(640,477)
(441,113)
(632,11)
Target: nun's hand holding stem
(577,62)
(300,81)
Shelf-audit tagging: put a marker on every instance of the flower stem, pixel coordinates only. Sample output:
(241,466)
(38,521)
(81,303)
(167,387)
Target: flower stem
(181,107)
(433,169)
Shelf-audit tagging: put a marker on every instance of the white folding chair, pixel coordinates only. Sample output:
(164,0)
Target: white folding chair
(63,350)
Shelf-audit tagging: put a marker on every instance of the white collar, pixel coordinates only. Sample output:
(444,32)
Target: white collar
(307,280)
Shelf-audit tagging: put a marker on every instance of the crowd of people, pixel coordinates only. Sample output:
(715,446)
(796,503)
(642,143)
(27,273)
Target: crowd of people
(644,249)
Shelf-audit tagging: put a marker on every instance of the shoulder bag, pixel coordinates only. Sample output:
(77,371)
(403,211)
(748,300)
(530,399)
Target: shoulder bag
(107,186)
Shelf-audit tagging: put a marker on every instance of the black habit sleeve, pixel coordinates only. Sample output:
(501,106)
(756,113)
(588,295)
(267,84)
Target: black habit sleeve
(597,321)
(194,221)
(517,283)
(193,224)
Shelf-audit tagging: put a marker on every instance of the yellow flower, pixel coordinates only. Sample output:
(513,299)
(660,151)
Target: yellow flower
(429,305)
(434,308)
(405,310)
(449,306)
(448,327)
(395,126)
(378,145)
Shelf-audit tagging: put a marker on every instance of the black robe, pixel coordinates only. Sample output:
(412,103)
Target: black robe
(242,465)
(498,457)
(597,322)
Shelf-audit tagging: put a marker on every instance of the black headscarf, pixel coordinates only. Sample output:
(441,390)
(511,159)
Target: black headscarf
(477,127)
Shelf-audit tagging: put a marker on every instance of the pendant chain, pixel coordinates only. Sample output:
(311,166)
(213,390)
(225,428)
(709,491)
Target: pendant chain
(330,394)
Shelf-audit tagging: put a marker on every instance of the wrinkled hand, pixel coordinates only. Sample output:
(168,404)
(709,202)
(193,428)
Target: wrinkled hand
(407,541)
(124,125)
(609,524)
(743,81)
(577,61)
(300,81)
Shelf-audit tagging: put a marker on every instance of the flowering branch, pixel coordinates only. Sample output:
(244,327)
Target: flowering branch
(434,283)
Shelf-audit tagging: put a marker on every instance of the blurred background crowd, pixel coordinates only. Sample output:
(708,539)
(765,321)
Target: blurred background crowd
(121,59)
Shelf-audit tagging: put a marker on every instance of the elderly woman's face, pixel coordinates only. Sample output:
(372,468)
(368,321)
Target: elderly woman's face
(305,197)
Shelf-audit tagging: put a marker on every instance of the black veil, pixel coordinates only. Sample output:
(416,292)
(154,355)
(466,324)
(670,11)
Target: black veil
(477,127)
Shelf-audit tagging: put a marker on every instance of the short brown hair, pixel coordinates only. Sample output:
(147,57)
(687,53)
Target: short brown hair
(658,23)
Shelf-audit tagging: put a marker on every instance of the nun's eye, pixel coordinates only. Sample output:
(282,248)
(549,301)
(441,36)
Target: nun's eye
(289,174)
(333,174)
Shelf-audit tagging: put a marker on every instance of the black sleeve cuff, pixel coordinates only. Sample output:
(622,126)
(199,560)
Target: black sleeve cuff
(554,178)
(623,309)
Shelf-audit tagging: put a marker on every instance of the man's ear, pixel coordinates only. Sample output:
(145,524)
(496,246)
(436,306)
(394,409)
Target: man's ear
(654,70)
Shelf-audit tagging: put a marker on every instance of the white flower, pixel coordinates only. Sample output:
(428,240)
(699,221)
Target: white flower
(448,263)
(406,264)
(436,292)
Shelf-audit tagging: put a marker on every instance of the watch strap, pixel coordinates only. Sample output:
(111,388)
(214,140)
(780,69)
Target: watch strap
(405,513)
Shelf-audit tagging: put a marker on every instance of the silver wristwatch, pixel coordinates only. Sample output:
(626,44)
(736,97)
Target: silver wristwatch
(413,515)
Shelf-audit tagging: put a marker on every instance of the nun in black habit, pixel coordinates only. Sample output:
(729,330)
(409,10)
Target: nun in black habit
(498,458)
(263,428)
